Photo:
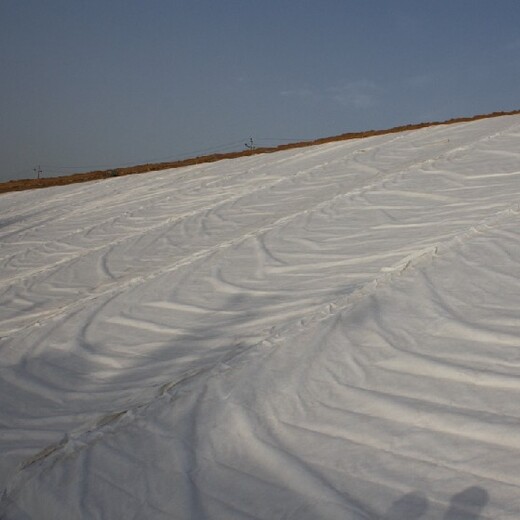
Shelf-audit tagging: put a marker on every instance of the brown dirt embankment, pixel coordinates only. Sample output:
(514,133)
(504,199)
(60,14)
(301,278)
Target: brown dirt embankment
(28,184)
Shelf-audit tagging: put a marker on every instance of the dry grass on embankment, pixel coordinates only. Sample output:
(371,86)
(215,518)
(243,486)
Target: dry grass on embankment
(28,184)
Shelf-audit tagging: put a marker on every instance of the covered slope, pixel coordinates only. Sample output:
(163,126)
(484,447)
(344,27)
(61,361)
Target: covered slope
(330,332)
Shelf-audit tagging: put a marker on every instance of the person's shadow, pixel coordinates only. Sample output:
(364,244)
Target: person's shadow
(409,507)
(466,505)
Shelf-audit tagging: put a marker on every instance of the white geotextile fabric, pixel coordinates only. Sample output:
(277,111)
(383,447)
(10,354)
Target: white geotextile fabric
(330,332)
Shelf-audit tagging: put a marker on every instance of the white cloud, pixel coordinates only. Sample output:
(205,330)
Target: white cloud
(513,45)
(300,93)
(419,81)
(360,94)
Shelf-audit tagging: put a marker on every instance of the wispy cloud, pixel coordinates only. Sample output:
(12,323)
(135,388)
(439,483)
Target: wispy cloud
(300,93)
(359,95)
(513,45)
(420,80)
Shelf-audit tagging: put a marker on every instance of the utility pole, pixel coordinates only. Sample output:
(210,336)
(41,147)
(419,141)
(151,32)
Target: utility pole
(250,145)
(38,172)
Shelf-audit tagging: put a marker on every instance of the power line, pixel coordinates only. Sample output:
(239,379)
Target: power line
(19,172)
(238,144)
(177,156)
(294,139)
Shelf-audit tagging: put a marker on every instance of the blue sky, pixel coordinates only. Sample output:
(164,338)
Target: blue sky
(88,84)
